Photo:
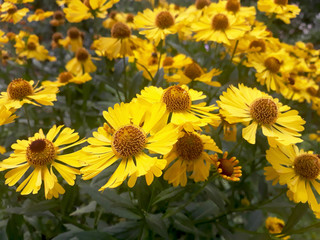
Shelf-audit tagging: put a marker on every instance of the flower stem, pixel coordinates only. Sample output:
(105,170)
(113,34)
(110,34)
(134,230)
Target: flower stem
(125,85)
(28,119)
(234,50)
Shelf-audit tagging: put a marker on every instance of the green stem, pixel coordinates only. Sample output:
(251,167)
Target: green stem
(152,79)
(28,119)
(234,50)
(125,84)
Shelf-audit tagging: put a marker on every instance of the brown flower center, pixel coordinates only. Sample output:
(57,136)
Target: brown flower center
(164,20)
(193,71)
(130,18)
(73,33)
(120,30)
(309,46)
(272,64)
(65,77)
(31,46)
(40,152)
(202,3)
(281,2)
(82,54)
(264,111)
(113,14)
(153,59)
(58,15)
(12,10)
(233,6)
(307,165)
(259,43)
(189,147)
(220,22)
(19,88)
(176,99)
(312,91)
(128,141)
(226,167)
(39,11)
(56,37)
(168,61)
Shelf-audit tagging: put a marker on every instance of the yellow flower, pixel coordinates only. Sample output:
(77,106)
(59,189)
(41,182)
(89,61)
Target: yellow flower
(32,49)
(255,108)
(131,131)
(19,1)
(275,225)
(41,153)
(6,116)
(227,167)
(157,24)
(39,15)
(299,170)
(81,63)
(74,40)
(179,102)
(315,136)
(280,8)
(67,77)
(188,155)
(10,13)
(78,10)
(2,150)
(20,91)
(58,19)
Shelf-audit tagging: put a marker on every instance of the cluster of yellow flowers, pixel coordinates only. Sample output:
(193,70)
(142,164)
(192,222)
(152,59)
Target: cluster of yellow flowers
(164,129)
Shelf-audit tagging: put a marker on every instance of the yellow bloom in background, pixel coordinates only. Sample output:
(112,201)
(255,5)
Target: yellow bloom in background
(227,167)
(315,136)
(280,8)
(32,49)
(67,77)
(156,24)
(257,109)
(58,19)
(275,225)
(219,26)
(6,115)
(73,41)
(113,18)
(10,13)
(41,153)
(193,72)
(120,44)
(81,63)
(19,1)
(131,130)
(179,101)
(189,156)
(77,11)
(299,170)
(3,38)
(20,91)
(2,150)
(39,15)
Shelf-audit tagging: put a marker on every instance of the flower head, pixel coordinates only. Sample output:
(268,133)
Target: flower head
(227,167)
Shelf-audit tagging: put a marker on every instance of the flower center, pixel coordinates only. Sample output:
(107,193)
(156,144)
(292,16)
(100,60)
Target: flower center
(120,30)
(56,37)
(176,99)
(153,59)
(193,71)
(82,54)
(312,91)
(226,167)
(130,18)
(281,2)
(65,77)
(220,22)
(168,61)
(113,14)
(73,33)
(189,147)
(40,152)
(258,44)
(202,3)
(272,64)
(307,165)
(39,11)
(59,15)
(264,110)
(128,141)
(31,46)
(310,46)
(12,10)
(164,20)
(233,6)
(19,88)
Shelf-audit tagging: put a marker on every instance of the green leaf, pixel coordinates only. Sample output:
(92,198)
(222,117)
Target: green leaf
(296,215)
(183,223)
(135,85)
(84,235)
(156,223)
(167,194)
(34,208)
(91,207)
(125,230)
(14,227)
(216,196)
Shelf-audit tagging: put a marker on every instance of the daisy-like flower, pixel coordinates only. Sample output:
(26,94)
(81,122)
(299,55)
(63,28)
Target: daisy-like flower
(189,155)
(315,136)
(255,108)
(41,153)
(73,40)
(56,37)
(76,11)
(157,24)
(39,15)
(20,91)
(58,19)
(299,170)
(67,77)
(10,13)
(280,8)
(6,116)
(81,63)
(178,100)
(275,225)
(130,131)
(120,44)
(32,49)
(219,26)
(227,167)
(193,72)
